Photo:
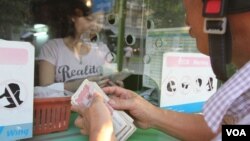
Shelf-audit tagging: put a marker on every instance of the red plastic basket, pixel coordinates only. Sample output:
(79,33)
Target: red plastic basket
(51,115)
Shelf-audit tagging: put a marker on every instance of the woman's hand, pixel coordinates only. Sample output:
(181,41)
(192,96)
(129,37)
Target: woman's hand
(116,83)
(143,112)
(102,81)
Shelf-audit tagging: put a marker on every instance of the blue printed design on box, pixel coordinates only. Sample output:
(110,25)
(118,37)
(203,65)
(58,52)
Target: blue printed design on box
(1,129)
(187,108)
(16,132)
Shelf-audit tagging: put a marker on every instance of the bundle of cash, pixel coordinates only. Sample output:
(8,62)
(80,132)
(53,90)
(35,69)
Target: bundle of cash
(122,122)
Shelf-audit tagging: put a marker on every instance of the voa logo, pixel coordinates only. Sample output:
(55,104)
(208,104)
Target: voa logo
(236,132)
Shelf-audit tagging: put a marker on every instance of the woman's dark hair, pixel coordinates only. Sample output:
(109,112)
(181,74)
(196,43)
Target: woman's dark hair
(62,11)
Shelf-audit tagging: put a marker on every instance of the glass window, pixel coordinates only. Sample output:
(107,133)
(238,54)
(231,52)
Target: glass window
(136,39)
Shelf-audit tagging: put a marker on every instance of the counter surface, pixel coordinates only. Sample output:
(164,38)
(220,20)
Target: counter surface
(73,134)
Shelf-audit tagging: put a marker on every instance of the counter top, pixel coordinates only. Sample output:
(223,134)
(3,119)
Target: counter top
(73,134)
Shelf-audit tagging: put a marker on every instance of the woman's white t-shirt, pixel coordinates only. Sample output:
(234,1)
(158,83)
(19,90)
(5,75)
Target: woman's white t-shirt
(68,66)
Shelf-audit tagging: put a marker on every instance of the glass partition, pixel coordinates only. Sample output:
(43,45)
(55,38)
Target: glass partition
(133,34)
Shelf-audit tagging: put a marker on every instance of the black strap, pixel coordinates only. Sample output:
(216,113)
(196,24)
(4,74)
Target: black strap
(220,44)
(220,53)
(238,6)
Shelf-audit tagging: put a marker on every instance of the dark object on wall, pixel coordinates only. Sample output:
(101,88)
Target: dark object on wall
(130,39)
(133,82)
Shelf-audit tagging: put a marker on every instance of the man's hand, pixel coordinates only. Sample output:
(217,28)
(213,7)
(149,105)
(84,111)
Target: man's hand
(143,112)
(95,120)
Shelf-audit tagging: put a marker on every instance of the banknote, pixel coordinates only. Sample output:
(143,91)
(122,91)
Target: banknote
(122,122)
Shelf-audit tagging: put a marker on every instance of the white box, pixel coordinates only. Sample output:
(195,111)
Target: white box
(187,81)
(16,90)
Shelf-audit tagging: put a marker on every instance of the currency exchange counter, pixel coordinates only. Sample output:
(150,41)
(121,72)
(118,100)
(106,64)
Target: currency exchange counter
(73,134)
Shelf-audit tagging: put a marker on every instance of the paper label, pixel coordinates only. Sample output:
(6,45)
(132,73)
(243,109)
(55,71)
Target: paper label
(187,81)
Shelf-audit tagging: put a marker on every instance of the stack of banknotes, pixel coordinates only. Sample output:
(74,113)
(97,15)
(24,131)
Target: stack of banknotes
(122,122)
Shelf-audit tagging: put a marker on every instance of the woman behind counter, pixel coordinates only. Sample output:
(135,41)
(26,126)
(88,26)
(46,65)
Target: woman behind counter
(67,58)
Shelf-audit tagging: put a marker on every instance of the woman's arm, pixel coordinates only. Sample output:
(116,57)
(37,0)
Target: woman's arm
(73,85)
(46,73)
(47,76)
